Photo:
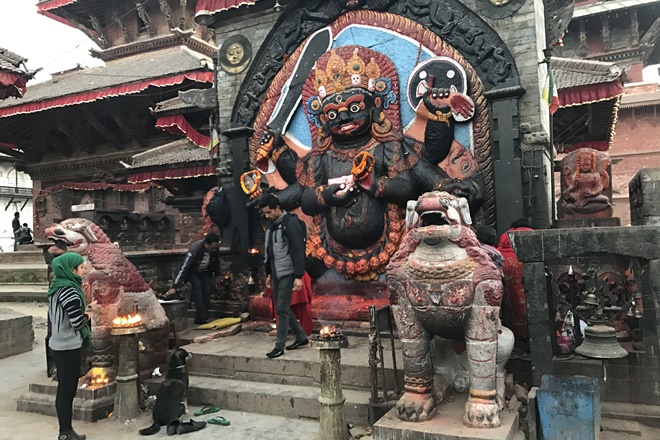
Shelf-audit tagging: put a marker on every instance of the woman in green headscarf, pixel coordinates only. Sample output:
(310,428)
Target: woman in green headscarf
(67,313)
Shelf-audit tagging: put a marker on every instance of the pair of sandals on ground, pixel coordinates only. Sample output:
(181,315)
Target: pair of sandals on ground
(178,427)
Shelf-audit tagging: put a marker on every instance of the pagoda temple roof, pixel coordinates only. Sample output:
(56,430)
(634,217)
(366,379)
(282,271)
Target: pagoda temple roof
(173,105)
(181,151)
(13,74)
(608,6)
(206,8)
(571,72)
(585,81)
(176,160)
(589,93)
(120,77)
(11,62)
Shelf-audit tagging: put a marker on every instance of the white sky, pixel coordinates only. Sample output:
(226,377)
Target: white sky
(44,42)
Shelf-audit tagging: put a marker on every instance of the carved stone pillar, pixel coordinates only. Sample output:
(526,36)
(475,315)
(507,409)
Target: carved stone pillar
(537,169)
(605,33)
(583,48)
(634,28)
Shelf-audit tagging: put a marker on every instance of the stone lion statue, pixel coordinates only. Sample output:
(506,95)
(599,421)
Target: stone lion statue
(116,285)
(442,283)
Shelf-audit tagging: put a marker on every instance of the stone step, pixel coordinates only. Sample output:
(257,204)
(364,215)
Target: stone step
(243,357)
(24,292)
(36,256)
(292,401)
(636,412)
(23,273)
(90,404)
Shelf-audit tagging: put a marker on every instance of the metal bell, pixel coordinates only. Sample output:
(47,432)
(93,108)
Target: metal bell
(591,300)
(600,343)
(638,313)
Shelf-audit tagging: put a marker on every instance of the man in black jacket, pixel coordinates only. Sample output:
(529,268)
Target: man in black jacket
(200,262)
(16,225)
(285,267)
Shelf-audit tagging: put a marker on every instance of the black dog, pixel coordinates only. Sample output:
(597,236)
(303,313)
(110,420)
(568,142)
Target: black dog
(171,401)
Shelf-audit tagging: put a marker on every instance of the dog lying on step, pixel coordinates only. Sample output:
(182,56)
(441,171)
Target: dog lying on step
(171,402)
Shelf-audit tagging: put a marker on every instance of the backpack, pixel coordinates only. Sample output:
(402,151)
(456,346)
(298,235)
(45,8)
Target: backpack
(303,225)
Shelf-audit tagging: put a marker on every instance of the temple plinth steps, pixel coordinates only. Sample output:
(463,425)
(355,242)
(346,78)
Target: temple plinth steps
(23,276)
(233,373)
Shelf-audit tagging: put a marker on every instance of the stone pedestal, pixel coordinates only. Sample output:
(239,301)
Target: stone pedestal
(17,332)
(332,420)
(177,313)
(447,424)
(127,397)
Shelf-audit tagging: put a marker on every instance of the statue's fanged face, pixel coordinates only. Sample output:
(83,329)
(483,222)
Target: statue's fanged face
(70,236)
(347,114)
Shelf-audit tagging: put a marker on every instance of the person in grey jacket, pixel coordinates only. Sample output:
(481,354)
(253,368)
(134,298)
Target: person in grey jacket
(285,267)
(200,262)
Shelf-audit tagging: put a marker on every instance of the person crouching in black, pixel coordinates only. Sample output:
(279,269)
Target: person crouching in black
(200,262)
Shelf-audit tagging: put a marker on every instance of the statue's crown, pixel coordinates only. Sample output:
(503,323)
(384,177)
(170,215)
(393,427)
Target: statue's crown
(340,74)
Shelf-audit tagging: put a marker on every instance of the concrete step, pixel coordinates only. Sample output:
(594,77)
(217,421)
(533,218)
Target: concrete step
(636,412)
(24,292)
(23,273)
(34,256)
(291,401)
(243,357)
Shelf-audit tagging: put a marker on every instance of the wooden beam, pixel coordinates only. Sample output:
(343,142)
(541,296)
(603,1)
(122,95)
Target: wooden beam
(102,129)
(6,136)
(126,127)
(71,136)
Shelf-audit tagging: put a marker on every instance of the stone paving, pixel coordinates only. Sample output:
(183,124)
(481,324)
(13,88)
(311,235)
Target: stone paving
(20,370)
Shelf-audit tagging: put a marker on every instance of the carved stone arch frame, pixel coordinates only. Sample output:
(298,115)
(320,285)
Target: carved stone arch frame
(449,21)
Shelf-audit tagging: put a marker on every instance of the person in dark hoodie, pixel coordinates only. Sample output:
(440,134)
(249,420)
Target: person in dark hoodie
(285,267)
(200,262)
(69,318)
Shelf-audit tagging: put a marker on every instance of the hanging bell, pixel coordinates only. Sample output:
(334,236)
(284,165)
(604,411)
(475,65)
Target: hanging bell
(250,280)
(600,343)
(591,300)
(638,295)
(638,313)
(571,272)
(631,312)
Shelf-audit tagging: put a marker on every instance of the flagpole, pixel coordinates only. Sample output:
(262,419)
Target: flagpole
(547,54)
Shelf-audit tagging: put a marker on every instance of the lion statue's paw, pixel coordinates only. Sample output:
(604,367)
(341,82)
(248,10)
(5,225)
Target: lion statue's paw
(414,407)
(481,413)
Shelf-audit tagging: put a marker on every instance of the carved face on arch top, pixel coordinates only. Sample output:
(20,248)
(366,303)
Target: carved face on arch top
(352,4)
(348,114)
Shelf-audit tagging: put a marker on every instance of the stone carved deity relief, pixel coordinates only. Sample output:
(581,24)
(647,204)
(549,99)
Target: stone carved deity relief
(585,185)
(384,111)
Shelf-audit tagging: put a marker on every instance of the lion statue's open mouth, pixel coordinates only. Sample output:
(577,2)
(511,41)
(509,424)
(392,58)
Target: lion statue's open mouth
(70,236)
(437,215)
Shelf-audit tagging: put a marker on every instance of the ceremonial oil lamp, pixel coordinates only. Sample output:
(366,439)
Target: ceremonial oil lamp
(329,342)
(127,328)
